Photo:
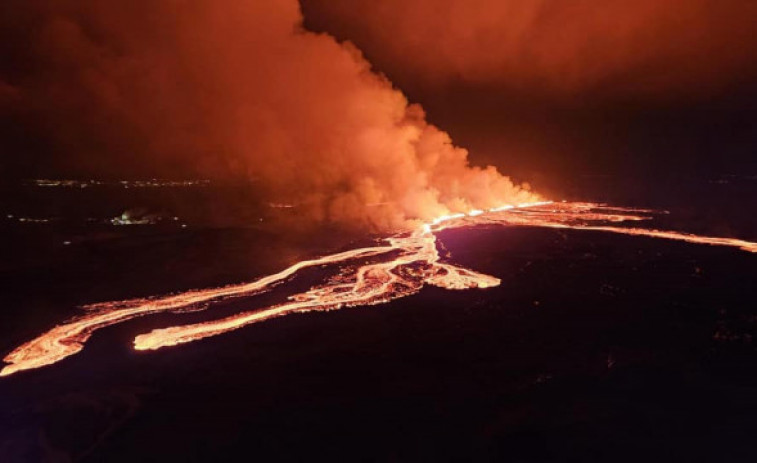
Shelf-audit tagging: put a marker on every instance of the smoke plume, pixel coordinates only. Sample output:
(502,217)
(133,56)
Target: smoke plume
(234,89)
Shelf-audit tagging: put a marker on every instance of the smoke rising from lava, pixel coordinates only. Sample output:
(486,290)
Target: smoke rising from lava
(239,89)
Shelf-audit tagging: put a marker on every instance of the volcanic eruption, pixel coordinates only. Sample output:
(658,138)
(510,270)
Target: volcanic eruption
(243,90)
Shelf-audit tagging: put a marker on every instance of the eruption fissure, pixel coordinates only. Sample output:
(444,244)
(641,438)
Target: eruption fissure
(397,269)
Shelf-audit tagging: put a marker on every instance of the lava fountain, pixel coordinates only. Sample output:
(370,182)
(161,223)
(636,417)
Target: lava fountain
(399,267)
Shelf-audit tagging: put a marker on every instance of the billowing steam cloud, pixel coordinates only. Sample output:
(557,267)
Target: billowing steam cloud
(238,88)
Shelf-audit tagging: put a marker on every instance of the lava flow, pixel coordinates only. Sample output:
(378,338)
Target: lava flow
(400,267)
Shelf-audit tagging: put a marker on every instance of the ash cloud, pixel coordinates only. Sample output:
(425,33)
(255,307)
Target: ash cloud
(231,90)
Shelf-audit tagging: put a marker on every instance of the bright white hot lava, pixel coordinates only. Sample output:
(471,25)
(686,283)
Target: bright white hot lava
(372,275)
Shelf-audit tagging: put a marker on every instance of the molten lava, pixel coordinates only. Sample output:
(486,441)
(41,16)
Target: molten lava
(400,267)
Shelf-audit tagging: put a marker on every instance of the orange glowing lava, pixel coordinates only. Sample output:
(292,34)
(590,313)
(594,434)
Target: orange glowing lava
(399,268)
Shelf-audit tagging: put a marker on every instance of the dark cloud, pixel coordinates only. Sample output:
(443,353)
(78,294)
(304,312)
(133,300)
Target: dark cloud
(638,48)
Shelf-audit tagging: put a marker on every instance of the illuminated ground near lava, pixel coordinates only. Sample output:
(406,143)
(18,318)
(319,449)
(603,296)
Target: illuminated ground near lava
(399,267)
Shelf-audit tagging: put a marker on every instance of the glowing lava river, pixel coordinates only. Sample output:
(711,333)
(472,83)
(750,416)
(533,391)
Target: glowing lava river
(399,267)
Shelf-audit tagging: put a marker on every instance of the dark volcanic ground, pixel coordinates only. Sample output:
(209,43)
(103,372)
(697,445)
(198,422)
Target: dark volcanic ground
(595,347)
